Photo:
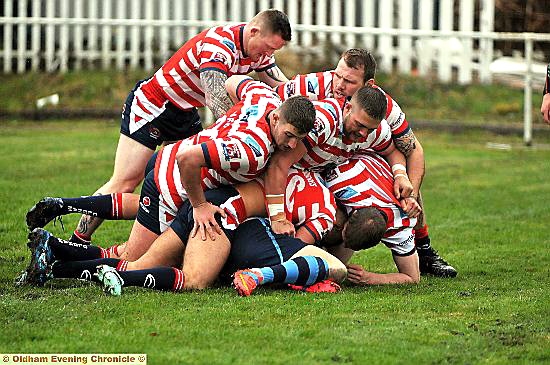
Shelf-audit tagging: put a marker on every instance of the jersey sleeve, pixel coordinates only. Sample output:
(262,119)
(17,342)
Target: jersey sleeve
(383,137)
(215,55)
(244,156)
(326,114)
(250,89)
(315,86)
(396,118)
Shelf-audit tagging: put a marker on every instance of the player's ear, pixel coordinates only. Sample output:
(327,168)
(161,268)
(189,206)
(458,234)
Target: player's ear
(370,82)
(254,31)
(274,118)
(347,107)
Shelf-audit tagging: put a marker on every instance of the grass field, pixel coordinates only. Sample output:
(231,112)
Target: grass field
(489,213)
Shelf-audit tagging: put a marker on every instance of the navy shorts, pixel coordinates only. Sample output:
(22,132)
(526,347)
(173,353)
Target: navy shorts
(183,223)
(148,212)
(172,124)
(253,244)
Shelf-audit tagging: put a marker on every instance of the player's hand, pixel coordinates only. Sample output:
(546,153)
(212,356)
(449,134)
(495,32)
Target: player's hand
(283,226)
(411,206)
(402,187)
(358,275)
(203,215)
(545,108)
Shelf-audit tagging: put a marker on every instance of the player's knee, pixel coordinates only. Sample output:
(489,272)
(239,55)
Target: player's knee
(337,271)
(194,281)
(124,184)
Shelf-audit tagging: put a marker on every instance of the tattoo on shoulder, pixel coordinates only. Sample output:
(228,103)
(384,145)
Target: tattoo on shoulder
(406,143)
(217,100)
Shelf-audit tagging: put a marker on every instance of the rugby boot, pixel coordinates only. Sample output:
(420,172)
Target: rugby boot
(110,279)
(245,281)
(325,286)
(39,269)
(433,264)
(43,212)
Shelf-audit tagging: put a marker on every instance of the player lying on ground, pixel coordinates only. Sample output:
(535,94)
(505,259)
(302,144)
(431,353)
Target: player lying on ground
(366,182)
(236,149)
(252,243)
(355,69)
(342,129)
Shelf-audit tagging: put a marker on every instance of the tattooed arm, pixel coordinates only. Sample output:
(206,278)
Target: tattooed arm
(217,99)
(414,153)
(272,76)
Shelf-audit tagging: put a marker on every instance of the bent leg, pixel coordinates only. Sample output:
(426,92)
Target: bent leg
(336,269)
(166,250)
(141,238)
(130,161)
(203,260)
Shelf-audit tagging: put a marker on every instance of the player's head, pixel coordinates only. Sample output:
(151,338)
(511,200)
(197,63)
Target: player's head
(355,69)
(364,112)
(267,32)
(292,121)
(364,229)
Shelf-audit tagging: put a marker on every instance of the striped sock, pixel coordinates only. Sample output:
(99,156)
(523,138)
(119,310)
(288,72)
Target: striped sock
(158,278)
(80,269)
(303,270)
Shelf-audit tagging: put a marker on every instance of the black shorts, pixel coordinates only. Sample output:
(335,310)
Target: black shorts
(253,244)
(172,124)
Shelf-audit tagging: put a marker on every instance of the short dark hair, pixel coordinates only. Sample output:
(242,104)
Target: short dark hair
(360,57)
(372,101)
(364,228)
(274,22)
(299,112)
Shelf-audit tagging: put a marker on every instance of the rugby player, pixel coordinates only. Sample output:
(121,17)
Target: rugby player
(355,69)
(163,108)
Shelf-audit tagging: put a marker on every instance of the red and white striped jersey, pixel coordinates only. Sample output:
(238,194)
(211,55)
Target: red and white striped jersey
(365,181)
(236,148)
(178,81)
(318,86)
(326,144)
(308,203)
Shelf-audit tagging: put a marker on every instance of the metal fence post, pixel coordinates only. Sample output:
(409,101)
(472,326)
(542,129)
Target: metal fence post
(527,94)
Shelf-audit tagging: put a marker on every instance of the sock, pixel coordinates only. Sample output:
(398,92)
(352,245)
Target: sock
(303,270)
(102,206)
(72,251)
(158,278)
(80,238)
(80,269)
(422,238)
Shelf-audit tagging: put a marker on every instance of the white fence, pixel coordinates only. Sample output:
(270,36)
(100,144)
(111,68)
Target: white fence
(60,35)
(452,38)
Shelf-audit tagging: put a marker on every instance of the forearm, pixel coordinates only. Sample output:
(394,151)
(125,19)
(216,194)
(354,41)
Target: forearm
(390,278)
(273,76)
(416,169)
(189,165)
(305,236)
(411,148)
(217,99)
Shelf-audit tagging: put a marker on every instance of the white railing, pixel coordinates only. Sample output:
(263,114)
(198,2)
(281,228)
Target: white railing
(58,35)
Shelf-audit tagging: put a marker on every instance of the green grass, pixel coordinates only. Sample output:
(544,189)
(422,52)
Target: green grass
(421,99)
(488,211)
